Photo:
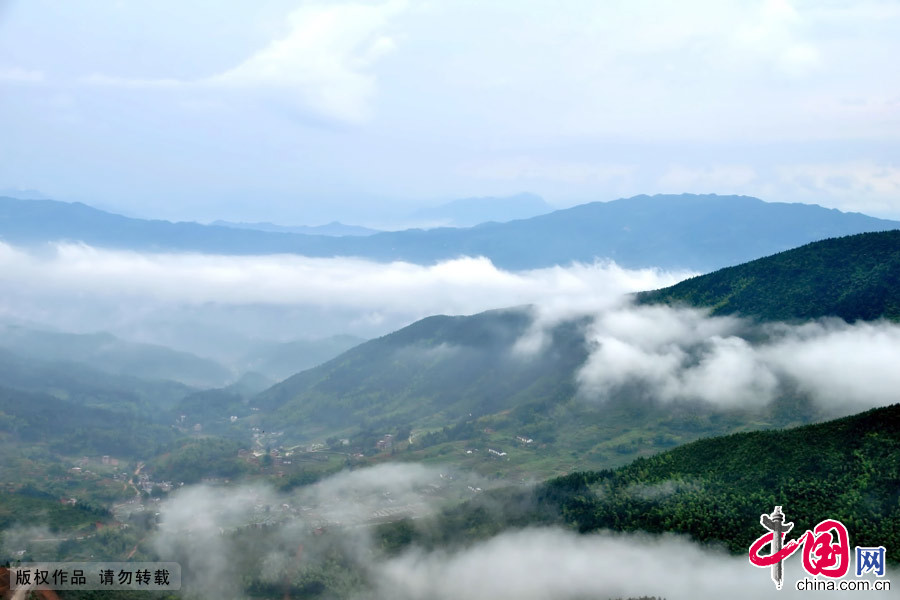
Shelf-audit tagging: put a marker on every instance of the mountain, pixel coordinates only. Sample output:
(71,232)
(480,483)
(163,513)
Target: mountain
(440,368)
(280,360)
(105,352)
(85,386)
(697,232)
(333,229)
(74,409)
(468,212)
(30,222)
(853,277)
(462,382)
(714,489)
(446,385)
(72,428)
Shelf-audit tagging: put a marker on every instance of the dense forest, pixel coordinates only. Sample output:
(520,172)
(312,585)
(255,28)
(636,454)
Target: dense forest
(713,490)
(853,277)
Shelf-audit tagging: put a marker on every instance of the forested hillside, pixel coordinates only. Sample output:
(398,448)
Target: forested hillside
(853,277)
(715,489)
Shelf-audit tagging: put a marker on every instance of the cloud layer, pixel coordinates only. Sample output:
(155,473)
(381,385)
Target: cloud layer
(345,294)
(207,530)
(535,564)
(683,354)
(198,523)
(209,304)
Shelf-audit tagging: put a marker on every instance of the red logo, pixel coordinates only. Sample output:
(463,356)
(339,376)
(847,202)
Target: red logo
(826,549)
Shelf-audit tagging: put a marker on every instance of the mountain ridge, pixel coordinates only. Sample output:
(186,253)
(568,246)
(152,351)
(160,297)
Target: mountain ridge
(697,232)
(852,277)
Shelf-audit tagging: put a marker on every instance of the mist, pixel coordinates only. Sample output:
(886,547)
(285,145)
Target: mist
(203,528)
(208,303)
(673,354)
(37,541)
(535,564)
(219,306)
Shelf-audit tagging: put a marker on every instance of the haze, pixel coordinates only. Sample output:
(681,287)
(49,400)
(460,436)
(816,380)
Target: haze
(304,112)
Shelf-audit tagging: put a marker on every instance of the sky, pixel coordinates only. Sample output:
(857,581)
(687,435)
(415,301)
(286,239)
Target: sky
(305,112)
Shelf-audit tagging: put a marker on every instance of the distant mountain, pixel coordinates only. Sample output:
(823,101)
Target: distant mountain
(37,221)
(853,277)
(333,229)
(105,352)
(280,360)
(468,212)
(673,232)
(86,386)
(249,384)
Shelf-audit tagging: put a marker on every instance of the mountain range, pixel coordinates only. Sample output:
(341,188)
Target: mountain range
(105,352)
(334,228)
(694,232)
(460,381)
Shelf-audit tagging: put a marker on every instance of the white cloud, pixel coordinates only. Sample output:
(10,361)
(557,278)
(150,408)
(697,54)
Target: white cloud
(774,34)
(683,354)
(322,64)
(863,186)
(535,564)
(99,79)
(192,300)
(463,285)
(731,374)
(325,60)
(668,353)
(528,168)
(20,75)
(853,366)
(721,179)
(674,354)
(197,522)
(527,564)
(589,100)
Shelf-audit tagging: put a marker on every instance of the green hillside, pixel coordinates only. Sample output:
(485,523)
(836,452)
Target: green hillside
(83,385)
(70,428)
(446,385)
(442,368)
(853,277)
(107,353)
(451,389)
(715,489)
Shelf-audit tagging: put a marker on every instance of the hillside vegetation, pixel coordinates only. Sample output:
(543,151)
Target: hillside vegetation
(452,389)
(853,277)
(714,490)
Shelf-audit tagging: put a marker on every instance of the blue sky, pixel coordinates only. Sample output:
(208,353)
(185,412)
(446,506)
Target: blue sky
(304,112)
